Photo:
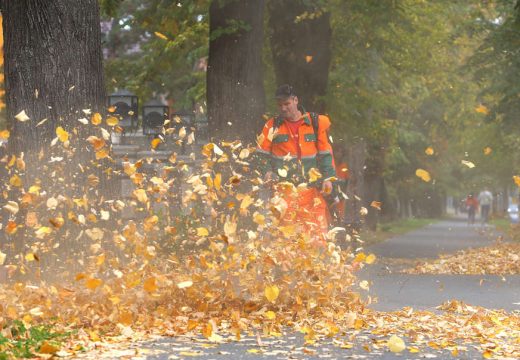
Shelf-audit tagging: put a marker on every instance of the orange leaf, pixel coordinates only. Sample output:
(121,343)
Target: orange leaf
(150,285)
(93,283)
(96,119)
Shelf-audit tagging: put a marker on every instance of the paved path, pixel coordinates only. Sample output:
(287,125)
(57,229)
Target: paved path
(393,290)
(396,290)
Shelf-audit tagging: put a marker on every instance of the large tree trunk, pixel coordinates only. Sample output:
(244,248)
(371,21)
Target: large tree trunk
(53,67)
(53,71)
(235,91)
(301,48)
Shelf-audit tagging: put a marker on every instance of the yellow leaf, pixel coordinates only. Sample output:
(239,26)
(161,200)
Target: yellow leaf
(141,196)
(370,259)
(150,285)
(47,348)
(487,150)
(254,351)
(423,174)
(217,181)
(468,164)
(62,134)
(22,116)
(272,292)
(314,175)
(396,344)
(126,318)
(516,180)
(4,134)
(482,109)
(112,121)
(160,35)
(364,285)
(16,181)
(185,284)
(202,231)
(246,202)
(487,354)
(2,257)
(308,58)
(96,142)
(101,154)
(271,315)
(155,142)
(360,257)
(429,151)
(282,172)
(30,257)
(376,204)
(93,283)
(96,119)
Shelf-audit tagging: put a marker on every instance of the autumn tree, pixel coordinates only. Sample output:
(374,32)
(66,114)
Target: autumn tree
(53,67)
(235,92)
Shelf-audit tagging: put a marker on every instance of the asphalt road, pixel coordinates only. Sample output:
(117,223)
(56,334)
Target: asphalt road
(393,290)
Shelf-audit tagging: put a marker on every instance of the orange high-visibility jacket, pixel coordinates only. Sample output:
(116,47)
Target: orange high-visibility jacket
(277,149)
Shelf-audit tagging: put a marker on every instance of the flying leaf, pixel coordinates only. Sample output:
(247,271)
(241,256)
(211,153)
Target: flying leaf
(516,179)
(185,284)
(112,121)
(4,134)
(160,35)
(93,283)
(22,116)
(396,344)
(182,133)
(314,175)
(217,182)
(96,119)
(63,135)
(16,181)
(468,164)
(423,174)
(141,196)
(482,109)
(429,151)
(271,315)
(155,142)
(150,285)
(202,231)
(2,258)
(12,207)
(308,58)
(272,292)
(282,172)
(370,259)
(376,204)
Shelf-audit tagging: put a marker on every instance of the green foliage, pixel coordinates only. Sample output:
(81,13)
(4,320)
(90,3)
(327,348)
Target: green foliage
(25,341)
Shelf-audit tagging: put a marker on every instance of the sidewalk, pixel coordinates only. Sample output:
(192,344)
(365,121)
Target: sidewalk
(395,290)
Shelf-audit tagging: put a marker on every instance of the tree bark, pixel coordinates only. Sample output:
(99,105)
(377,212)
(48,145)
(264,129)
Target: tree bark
(301,49)
(53,67)
(235,91)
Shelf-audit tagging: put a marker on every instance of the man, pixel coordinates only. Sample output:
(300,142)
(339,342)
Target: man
(485,199)
(295,147)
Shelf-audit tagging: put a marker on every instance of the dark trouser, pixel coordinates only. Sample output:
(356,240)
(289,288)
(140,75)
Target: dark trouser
(485,213)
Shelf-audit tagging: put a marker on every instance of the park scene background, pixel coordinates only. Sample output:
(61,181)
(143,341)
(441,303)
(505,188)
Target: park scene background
(131,206)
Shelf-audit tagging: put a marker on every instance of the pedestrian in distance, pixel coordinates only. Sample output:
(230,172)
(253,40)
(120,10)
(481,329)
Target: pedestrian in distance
(485,198)
(472,206)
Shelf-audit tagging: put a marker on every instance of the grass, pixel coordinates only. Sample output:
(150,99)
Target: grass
(21,341)
(394,228)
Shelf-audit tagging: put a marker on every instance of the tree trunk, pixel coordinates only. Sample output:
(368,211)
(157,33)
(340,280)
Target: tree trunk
(235,92)
(301,48)
(53,67)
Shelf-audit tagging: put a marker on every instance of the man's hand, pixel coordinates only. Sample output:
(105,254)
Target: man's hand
(326,188)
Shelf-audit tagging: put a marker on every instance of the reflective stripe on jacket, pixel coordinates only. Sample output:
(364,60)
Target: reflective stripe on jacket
(277,150)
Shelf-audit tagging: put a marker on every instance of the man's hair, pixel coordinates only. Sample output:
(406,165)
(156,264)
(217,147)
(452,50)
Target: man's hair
(284,91)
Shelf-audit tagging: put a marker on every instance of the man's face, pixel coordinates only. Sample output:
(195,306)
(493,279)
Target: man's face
(288,107)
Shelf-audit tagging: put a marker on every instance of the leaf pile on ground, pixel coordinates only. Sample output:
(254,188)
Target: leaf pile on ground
(195,247)
(499,259)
